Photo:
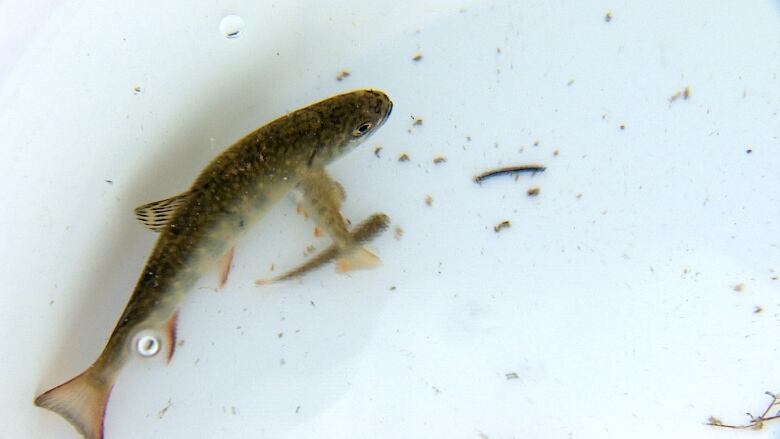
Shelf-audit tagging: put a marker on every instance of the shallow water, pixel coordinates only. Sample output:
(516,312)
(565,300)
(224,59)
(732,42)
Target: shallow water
(608,309)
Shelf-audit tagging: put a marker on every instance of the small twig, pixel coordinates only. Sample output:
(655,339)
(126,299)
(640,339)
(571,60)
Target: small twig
(533,169)
(771,413)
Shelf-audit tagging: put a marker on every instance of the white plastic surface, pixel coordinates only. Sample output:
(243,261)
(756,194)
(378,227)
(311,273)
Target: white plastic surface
(607,310)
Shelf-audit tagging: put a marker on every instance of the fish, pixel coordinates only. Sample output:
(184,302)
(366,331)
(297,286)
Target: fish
(200,226)
(320,197)
(367,230)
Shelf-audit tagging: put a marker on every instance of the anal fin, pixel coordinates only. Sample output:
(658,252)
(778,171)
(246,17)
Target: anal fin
(224,267)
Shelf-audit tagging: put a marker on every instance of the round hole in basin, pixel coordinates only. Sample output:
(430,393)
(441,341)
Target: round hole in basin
(148,345)
(231,26)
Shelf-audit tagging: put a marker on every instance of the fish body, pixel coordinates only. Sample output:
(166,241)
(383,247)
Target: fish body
(200,226)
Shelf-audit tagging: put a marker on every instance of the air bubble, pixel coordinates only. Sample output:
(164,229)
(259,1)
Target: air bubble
(147,345)
(231,26)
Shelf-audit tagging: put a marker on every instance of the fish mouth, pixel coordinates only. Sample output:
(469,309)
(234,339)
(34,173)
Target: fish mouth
(389,110)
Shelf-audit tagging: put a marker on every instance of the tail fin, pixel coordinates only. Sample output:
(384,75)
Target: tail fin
(82,401)
(358,259)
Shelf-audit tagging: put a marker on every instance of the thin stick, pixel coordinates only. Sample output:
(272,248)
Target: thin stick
(533,169)
(771,413)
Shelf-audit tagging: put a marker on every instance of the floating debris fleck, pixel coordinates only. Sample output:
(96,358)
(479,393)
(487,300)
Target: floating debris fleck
(342,75)
(532,192)
(740,287)
(608,17)
(429,200)
(164,410)
(502,225)
(417,57)
(377,150)
(439,159)
(403,157)
(684,93)
(512,376)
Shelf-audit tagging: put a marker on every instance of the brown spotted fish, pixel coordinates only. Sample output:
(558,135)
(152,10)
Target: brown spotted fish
(199,227)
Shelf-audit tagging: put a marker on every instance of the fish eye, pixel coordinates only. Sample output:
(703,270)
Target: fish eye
(362,129)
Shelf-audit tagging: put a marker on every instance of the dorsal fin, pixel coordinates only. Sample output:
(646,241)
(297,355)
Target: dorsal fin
(156,215)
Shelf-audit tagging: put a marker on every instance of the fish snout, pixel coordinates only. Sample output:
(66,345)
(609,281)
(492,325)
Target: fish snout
(389,110)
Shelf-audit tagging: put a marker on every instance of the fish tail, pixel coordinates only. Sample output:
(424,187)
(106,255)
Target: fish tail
(82,401)
(358,259)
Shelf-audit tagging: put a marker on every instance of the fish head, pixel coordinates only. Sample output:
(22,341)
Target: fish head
(348,119)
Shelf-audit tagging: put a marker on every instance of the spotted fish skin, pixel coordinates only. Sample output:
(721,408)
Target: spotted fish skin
(230,194)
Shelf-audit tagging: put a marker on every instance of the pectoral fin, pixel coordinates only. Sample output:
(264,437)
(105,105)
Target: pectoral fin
(156,215)
(224,267)
(362,233)
(170,332)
